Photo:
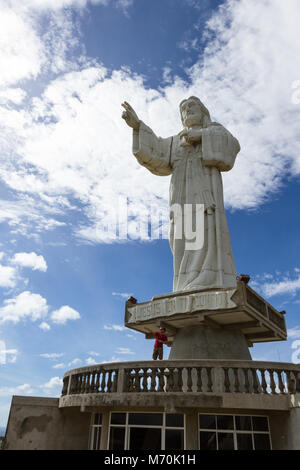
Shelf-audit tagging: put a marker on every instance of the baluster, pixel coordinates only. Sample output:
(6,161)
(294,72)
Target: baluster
(264,384)
(166,379)
(272,381)
(145,380)
(153,380)
(280,382)
(209,379)
(65,386)
(128,386)
(92,383)
(81,382)
(87,382)
(256,384)
(179,381)
(226,379)
(236,380)
(199,379)
(170,382)
(74,384)
(189,379)
(137,383)
(97,382)
(160,380)
(102,386)
(127,382)
(109,382)
(78,384)
(114,386)
(291,382)
(247,383)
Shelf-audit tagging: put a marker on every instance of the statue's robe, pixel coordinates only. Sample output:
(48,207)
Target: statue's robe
(196,179)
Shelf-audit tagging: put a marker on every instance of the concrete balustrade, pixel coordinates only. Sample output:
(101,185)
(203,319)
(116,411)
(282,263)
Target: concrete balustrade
(183,377)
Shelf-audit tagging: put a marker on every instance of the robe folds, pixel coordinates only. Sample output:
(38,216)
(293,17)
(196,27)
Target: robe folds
(196,179)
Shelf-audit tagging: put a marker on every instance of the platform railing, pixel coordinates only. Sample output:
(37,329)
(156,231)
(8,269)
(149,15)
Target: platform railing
(185,376)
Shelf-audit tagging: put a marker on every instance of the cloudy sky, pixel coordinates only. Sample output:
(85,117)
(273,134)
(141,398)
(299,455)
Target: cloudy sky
(66,165)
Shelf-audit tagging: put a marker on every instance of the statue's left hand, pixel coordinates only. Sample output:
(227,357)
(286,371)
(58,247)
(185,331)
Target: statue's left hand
(191,136)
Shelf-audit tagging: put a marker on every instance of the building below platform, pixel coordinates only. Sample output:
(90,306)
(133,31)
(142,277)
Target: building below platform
(164,405)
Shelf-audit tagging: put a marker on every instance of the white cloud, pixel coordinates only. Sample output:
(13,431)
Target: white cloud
(93,353)
(63,314)
(75,362)
(123,295)
(124,351)
(25,305)
(28,216)
(14,95)
(24,389)
(59,366)
(21,49)
(294,332)
(115,327)
(90,361)
(62,141)
(8,276)
(30,260)
(279,287)
(44,326)
(51,355)
(7,355)
(53,385)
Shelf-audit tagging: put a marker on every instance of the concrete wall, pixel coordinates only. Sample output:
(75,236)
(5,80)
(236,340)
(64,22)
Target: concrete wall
(37,423)
(285,430)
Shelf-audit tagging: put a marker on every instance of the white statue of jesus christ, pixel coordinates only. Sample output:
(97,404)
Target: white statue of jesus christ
(195,158)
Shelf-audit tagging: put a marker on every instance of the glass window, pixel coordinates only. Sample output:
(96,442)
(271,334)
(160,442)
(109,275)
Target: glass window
(225,441)
(207,422)
(118,418)
(174,439)
(145,439)
(260,423)
(147,419)
(96,436)
(225,422)
(175,420)
(97,419)
(117,438)
(262,442)
(239,432)
(243,423)
(244,441)
(208,440)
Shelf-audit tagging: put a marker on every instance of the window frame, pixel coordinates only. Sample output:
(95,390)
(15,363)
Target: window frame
(163,427)
(95,428)
(234,431)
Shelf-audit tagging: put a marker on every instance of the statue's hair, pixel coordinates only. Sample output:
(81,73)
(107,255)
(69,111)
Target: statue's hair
(206,116)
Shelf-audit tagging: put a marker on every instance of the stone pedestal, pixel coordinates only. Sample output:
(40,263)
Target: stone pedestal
(204,342)
(210,323)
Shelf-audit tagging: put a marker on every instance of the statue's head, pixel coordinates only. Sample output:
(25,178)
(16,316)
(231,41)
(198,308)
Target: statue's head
(193,112)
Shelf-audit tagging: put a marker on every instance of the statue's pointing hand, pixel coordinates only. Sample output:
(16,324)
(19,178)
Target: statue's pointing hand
(130,116)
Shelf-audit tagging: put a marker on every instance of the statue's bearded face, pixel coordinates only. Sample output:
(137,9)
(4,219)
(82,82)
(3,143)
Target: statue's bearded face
(191,113)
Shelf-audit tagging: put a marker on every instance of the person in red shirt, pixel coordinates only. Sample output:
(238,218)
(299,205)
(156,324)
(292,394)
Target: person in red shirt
(160,340)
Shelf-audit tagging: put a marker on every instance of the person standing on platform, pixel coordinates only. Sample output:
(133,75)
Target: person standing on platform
(160,339)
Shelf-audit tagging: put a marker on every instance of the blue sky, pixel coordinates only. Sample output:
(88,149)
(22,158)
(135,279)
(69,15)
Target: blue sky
(66,162)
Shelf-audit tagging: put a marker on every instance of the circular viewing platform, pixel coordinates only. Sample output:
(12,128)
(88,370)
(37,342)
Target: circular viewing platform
(183,383)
